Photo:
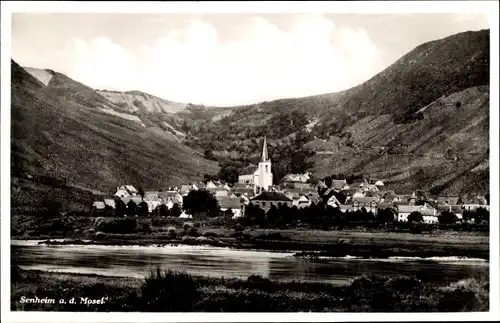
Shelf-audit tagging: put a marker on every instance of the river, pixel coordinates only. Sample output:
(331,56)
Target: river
(136,261)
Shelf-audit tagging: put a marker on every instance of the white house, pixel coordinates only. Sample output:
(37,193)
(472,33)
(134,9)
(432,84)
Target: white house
(429,214)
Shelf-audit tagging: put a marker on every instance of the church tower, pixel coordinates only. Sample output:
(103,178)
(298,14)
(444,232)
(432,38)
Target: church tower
(265,178)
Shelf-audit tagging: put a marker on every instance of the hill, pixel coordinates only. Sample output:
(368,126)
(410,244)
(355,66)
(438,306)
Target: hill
(142,103)
(420,123)
(67,134)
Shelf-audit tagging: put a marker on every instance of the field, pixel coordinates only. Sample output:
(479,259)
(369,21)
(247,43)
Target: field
(179,292)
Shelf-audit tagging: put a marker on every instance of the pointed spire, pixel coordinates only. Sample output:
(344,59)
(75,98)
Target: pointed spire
(264,151)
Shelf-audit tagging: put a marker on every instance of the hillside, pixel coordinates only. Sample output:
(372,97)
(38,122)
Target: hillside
(350,131)
(65,131)
(141,103)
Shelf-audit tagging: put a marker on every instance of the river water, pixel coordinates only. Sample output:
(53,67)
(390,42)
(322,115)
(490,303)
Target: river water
(136,261)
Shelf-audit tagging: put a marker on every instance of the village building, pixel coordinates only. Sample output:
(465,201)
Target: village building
(370,204)
(259,176)
(429,213)
(346,208)
(230,203)
(219,191)
(99,205)
(126,190)
(266,199)
(169,198)
(339,185)
(110,202)
(151,196)
(449,200)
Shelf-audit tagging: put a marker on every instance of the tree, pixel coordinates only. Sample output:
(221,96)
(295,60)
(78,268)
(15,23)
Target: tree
(482,215)
(229,173)
(201,202)
(385,216)
(175,211)
(415,217)
(143,209)
(208,154)
(131,208)
(140,192)
(120,208)
(163,210)
(447,217)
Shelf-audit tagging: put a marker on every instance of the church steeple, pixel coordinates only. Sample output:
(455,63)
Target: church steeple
(265,156)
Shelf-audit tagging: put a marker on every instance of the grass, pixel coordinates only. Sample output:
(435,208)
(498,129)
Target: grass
(166,291)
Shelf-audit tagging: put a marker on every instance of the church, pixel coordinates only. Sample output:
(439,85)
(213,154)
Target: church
(260,177)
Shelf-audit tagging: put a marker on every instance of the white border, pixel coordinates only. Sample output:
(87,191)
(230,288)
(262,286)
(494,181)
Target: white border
(367,7)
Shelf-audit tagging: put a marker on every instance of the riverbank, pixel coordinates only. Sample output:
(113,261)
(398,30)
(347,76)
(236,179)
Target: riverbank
(179,292)
(334,243)
(315,243)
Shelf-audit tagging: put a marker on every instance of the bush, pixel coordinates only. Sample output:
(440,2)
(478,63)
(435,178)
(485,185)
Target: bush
(465,295)
(119,225)
(169,292)
(172,232)
(193,232)
(187,226)
(272,236)
(210,234)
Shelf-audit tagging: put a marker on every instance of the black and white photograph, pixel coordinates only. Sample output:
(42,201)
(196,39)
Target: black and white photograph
(250,158)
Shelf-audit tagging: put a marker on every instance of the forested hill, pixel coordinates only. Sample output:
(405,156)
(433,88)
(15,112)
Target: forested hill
(65,133)
(425,116)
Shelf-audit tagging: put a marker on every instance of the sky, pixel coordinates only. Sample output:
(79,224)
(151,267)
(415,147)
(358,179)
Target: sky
(225,59)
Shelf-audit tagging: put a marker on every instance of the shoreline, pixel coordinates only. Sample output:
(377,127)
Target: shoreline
(300,249)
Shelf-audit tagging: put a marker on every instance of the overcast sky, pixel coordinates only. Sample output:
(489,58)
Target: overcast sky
(225,59)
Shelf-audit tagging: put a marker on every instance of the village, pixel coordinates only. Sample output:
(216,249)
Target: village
(255,188)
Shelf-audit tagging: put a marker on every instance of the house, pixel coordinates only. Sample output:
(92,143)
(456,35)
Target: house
(136,199)
(333,201)
(184,215)
(369,203)
(121,192)
(110,203)
(245,200)
(99,205)
(473,202)
(295,178)
(125,190)
(185,189)
(169,198)
(303,201)
(429,213)
(210,185)
(266,199)
(226,203)
(248,192)
(339,184)
(349,192)
(151,196)
(320,185)
(218,191)
(295,193)
(346,208)
(152,205)
(449,200)
(390,196)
